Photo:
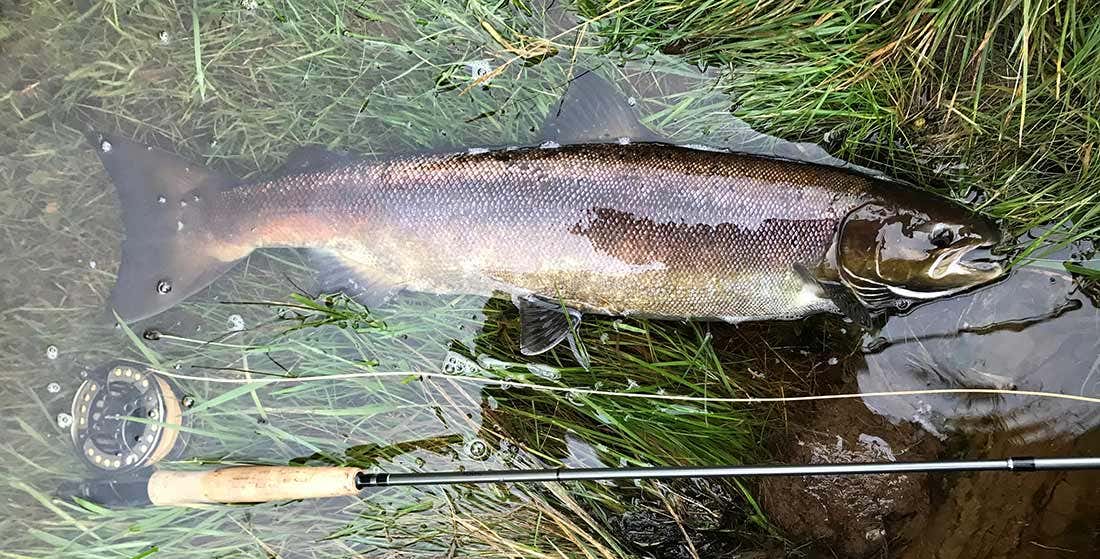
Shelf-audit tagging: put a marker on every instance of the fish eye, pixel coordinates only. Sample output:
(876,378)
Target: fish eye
(942,237)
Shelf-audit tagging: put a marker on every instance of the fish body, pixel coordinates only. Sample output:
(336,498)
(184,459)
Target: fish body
(646,229)
(607,218)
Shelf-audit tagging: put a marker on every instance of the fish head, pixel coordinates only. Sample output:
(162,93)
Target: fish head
(907,247)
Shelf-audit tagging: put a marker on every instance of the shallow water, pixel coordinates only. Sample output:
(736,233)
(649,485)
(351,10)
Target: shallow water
(386,86)
(1035,331)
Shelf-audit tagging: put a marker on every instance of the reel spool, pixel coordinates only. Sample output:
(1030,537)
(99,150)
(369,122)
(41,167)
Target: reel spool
(124,417)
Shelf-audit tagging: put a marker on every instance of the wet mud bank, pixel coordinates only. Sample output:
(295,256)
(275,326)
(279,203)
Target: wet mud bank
(926,516)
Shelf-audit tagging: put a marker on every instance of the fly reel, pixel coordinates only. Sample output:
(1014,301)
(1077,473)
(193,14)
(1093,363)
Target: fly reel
(125,418)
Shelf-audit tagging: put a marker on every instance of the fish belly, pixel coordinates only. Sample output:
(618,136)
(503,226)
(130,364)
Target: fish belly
(646,229)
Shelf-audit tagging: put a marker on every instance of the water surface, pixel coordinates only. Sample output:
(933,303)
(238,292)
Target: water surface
(401,78)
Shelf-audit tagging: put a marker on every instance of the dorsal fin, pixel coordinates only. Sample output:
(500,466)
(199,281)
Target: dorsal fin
(593,111)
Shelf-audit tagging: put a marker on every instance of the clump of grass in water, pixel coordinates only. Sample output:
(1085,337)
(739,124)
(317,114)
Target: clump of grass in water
(637,357)
(996,96)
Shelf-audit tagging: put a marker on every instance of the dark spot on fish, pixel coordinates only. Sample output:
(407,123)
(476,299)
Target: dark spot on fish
(640,241)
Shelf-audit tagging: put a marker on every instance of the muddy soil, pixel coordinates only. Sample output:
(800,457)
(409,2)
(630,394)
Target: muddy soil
(991,515)
(999,515)
(853,516)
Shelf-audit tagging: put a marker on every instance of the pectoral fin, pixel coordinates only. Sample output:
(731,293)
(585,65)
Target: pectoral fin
(849,305)
(544,324)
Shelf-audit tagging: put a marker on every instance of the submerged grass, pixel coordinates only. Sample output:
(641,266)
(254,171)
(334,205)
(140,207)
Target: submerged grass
(997,97)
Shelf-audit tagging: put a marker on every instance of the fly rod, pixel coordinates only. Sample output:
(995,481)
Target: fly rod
(124,452)
(258,484)
(1020,464)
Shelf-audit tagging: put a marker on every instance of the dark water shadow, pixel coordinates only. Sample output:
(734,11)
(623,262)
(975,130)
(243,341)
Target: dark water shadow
(1034,331)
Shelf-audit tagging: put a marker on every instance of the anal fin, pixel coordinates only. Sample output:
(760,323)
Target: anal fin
(341,272)
(545,323)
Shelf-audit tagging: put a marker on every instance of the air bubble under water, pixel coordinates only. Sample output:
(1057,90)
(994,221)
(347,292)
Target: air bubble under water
(545,371)
(477,449)
(479,68)
(235,323)
(457,364)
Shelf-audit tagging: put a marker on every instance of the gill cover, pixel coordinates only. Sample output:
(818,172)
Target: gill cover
(892,254)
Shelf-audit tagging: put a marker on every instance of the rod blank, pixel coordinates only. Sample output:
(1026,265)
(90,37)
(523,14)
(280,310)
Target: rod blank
(1021,464)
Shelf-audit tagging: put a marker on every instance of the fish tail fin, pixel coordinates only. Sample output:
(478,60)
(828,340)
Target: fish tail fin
(170,251)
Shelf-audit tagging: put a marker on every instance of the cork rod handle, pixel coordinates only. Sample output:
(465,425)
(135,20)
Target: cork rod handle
(250,484)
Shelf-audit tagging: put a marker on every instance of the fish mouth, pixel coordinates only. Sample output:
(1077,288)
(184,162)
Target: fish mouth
(972,261)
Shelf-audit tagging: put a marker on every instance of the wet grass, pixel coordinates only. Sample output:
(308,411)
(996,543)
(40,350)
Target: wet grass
(404,411)
(239,85)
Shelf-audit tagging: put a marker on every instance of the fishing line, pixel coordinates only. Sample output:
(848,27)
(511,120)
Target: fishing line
(666,397)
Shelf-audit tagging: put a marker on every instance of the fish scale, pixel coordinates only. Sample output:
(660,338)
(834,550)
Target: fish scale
(646,229)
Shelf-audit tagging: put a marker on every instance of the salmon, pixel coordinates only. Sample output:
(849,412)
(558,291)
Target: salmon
(631,225)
